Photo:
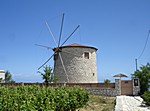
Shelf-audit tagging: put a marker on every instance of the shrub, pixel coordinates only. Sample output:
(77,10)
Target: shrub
(27,98)
(146,97)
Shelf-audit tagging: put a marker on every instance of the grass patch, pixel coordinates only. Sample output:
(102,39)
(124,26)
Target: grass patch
(99,103)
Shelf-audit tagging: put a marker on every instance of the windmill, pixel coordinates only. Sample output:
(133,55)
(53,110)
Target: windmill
(57,49)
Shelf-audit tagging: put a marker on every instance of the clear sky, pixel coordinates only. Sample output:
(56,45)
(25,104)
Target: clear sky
(118,28)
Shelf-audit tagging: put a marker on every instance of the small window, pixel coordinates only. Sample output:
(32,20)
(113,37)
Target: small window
(86,55)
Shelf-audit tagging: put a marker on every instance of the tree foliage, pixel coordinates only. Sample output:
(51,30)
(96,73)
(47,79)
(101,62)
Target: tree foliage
(48,75)
(106,82)
(146,97)
(144,77)
(1,79)
(8,77)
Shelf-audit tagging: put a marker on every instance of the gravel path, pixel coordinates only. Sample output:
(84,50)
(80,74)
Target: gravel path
(130,103)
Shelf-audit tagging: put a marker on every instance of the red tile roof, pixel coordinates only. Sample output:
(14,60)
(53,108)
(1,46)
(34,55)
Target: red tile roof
(78,45)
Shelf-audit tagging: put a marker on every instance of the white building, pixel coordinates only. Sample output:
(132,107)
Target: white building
(2,74)
(79,62)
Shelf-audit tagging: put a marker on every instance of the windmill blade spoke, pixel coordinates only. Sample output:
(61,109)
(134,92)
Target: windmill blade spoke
(70,35)
(63,67)
(45,62)
(61,29)
(49,30)
(43,46)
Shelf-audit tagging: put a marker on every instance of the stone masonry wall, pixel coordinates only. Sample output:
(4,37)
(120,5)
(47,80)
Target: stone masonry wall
(79,69)
(107,91)
(113,91)
(103,91)
(117,86)
(136,86)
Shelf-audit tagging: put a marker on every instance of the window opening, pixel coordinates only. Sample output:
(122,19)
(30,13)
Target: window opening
(86,55)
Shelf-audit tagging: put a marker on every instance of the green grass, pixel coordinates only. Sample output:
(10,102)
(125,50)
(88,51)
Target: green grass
(99,103)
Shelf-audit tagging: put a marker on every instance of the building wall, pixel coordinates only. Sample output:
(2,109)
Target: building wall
(79,69)
(126,87)
(116,91)
(2,75)
(136,86)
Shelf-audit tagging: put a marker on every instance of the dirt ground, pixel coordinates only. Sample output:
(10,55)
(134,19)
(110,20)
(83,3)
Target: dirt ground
(99,103)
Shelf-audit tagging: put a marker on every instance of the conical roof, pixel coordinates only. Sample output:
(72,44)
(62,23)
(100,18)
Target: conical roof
(78,45)
(120,75)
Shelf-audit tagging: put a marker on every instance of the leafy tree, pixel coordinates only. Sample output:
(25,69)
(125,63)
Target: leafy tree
(8,77)
(144,77)
(1,79)
(106,82)
(146,97)
(48,75)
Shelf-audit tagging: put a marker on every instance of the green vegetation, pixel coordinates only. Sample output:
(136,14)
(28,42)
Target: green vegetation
(48,75)
(36,98)
(106,82)
(146,97)
(8,77)
(1,80)
(99,103)
(144,76)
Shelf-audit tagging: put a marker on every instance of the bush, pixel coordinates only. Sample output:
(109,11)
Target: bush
(146,97)
(27,98)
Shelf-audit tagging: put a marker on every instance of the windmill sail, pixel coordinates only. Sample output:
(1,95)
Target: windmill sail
(57,49)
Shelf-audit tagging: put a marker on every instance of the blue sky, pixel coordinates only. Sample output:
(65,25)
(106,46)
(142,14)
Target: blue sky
(118,28)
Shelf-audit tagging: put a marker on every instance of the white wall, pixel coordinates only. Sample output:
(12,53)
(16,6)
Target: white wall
(2,75)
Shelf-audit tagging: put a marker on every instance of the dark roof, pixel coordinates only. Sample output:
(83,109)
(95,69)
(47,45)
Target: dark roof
(78,45)
(120,75)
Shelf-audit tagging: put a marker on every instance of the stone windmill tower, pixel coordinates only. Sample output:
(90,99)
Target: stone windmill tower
(79,62)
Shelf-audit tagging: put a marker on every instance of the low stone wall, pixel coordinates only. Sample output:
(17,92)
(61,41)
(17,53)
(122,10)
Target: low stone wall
(84,85)
(112,89)
(103,91)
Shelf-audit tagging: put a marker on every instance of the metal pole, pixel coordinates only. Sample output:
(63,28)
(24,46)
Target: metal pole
(136,63)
